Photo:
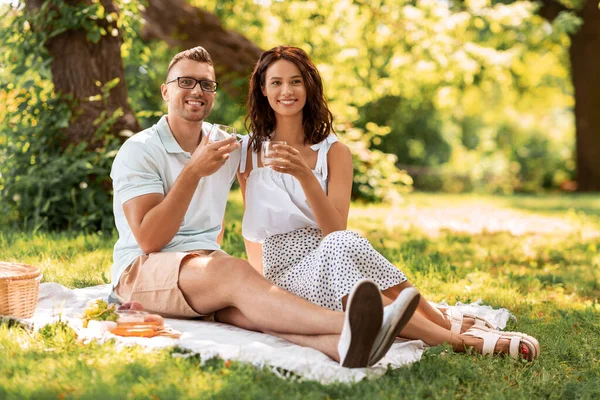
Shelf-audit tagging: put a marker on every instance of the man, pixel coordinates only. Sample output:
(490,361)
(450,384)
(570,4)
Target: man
(170,191)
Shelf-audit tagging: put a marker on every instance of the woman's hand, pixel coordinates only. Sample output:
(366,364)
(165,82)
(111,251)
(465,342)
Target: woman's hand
(288,160)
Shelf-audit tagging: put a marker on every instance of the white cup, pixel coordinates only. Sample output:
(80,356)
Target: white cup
(220,132)
(267,149)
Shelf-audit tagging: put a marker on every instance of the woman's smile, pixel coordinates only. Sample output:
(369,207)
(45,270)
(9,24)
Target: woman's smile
(288,102)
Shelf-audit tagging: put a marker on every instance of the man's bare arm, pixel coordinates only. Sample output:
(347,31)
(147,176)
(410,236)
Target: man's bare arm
(222,233)
(154,218)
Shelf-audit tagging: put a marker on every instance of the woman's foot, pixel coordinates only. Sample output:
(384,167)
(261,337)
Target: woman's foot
(488,341)
(459,323)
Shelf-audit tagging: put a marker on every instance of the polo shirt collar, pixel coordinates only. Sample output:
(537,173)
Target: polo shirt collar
(167,138)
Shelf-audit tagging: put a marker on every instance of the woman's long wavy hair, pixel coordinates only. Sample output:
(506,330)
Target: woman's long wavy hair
(317,120)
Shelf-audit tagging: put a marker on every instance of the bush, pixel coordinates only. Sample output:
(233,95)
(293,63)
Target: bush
(415,135)
(376,177)
(44,185)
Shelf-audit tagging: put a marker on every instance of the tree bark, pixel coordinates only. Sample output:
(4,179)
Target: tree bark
(184,26)
(584,55)
(585,74)
(78,64)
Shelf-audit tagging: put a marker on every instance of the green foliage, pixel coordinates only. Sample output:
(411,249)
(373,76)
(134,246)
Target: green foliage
(465,97)
(46,182)
(58,334)
(145,64)
(416,136)
(375,176)
(458,81)
(448,82)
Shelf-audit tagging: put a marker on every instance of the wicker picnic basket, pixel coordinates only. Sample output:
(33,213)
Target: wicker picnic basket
(19,287)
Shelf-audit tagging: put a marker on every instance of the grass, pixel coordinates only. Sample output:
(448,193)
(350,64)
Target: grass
(453,248)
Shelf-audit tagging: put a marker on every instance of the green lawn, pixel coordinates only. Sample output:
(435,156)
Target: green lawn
(453,248)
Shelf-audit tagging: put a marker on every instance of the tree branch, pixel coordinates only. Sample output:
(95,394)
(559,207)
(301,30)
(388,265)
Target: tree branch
(551,8)
(184,26)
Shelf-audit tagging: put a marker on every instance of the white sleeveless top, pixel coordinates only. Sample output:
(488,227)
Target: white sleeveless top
(275,202)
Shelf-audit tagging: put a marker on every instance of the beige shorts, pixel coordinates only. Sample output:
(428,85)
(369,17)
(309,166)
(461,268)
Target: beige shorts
(153,280)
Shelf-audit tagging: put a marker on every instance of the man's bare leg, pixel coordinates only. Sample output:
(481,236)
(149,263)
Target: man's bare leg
(233,316)
(221,281)
(326,344)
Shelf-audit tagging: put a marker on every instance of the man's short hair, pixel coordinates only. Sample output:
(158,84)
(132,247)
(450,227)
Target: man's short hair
(197,53)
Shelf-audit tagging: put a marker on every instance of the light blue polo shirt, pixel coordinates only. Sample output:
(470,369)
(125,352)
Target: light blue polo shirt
(150,162)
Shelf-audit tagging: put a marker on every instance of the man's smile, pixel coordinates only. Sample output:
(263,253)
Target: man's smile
(196,102)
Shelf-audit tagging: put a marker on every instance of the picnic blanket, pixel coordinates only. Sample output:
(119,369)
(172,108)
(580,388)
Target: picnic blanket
(211,339)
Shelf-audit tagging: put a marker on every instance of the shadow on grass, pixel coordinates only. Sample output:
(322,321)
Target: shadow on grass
(588,204)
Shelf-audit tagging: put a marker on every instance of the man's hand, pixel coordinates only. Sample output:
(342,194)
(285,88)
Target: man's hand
(209,157)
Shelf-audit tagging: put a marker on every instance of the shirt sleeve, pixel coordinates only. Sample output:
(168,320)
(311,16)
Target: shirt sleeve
(135,172)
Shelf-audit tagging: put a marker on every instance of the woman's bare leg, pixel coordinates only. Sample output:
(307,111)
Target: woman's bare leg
(425,309)
(432,334)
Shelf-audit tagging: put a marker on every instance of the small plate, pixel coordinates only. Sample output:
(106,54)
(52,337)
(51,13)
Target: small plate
(131,317)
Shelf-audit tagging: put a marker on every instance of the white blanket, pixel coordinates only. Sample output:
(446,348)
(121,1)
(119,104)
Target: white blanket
(210,339)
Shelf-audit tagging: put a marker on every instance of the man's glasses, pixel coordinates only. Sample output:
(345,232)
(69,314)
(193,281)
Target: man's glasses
(185,82)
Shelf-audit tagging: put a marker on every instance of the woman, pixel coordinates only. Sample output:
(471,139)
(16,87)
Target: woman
(297,207)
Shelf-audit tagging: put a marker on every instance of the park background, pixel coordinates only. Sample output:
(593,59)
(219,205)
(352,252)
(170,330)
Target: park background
(473,126)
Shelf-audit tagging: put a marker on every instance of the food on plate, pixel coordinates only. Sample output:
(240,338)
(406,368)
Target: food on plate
(135,330)
(99,310)
(130,319)
(154,319)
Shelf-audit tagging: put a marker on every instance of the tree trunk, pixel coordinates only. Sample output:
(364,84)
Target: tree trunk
(78,64)
(584,55)
(184,26)
(585,74)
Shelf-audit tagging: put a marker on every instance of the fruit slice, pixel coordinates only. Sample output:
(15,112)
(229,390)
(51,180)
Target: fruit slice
(135,331)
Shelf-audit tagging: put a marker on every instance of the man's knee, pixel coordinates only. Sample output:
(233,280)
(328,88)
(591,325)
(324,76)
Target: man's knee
(232,268)
(222,269)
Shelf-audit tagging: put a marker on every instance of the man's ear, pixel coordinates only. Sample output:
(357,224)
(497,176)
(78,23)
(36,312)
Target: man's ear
(164,92)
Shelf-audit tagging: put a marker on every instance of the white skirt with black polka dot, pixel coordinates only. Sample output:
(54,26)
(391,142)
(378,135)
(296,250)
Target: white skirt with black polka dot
(324,269)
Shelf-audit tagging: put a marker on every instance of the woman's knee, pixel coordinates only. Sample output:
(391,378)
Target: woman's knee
(344,242)
(339,238)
